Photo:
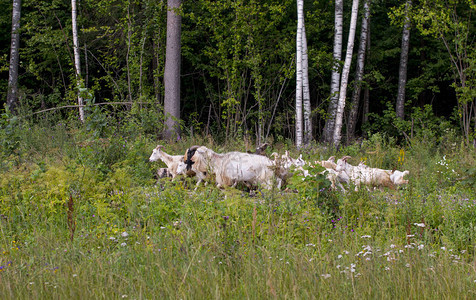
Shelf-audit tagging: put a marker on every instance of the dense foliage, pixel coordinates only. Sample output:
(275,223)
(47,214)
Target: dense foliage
(238,61)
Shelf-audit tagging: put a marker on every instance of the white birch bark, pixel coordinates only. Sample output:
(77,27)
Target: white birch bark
(12,95)
(345,75)
(402,73)
(359,72)
(299,121)
(77,64)
(306,97)
(335,80)
(172,70)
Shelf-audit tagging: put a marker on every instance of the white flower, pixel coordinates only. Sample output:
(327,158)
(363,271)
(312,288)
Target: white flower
(409,246)
(443,248)
(387,268)
(123,244)
(124,234)
(419,224)
(365,236)
(162,227)
(420,247)
(339,256)
(310,245)
(346,252)
(326,276)
(75,275)
(410,235)
(112,238)
(124,296)
(407,265)
(392,246)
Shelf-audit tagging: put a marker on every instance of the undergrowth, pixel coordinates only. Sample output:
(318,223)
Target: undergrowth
(139,237)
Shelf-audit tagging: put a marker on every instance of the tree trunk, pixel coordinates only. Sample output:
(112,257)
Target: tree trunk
(335,82)
(77,63)
(345,75)
(12,95)
(402,73)
(299,121)
(172,71)
(359,73)
(305,88)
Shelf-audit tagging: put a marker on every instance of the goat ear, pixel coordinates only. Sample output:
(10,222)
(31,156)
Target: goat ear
(159,147)
(345,158)
(406,172)
(332,159)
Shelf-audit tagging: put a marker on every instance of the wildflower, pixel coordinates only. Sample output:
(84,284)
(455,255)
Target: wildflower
(112,238)
(124,234)
(326,276)
(123,244)
(310,245)
(339,256)
(407,265)
(124,296)
(346,252)
(365,236)
(410,235)
(420,247)
(419,224)
(443,248)
(387,268)
(75,275)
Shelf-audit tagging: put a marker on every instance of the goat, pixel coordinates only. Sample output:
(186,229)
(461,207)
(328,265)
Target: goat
(172,161)
(260,150)
(396,176)
(362,174)
(233,167)
(328,164)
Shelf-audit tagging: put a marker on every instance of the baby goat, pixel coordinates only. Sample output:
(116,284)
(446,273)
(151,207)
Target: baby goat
(172,161)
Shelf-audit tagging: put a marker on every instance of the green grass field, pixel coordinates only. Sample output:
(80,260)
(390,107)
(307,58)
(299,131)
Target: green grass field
(86,219)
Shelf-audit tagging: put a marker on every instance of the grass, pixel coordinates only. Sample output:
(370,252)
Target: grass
(138,239)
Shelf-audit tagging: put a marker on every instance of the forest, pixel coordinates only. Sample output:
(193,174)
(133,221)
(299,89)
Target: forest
(88,90)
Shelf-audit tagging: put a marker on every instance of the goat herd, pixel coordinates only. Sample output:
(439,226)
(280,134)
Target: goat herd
(255,169)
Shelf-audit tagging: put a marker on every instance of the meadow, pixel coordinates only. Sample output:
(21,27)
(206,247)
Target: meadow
(83,217)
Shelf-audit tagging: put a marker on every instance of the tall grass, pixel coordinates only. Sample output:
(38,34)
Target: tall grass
(138,238)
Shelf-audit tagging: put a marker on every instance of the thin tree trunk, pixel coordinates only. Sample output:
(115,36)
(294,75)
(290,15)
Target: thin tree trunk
(335,81)
(359,73)
(77,63)
(345,75)
(299,121)
(129,42)
(305,88)
(172,70)
(12,95)
(402,73)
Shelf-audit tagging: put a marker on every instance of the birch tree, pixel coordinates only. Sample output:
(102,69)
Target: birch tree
(12,95)
(335,81)
(402,72)
(77,63)
(299,74)
(305,88)
(345,75)
(172,70)
(359,72)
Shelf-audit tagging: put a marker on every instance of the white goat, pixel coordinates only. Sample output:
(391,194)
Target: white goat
(233,167)
(172,161)
(362,174)
(396,176)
